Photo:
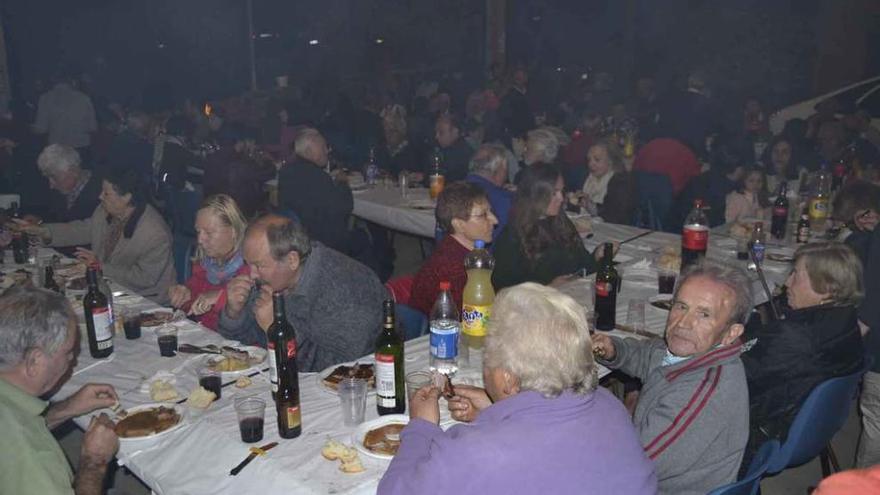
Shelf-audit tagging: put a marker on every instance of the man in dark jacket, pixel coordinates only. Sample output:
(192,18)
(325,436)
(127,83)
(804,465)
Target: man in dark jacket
(869,319)
(305,189)
(454,150)
(75,191)
(515,111)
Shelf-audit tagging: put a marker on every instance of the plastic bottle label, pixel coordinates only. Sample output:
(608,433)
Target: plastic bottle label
(385,389)
(758,250)
(819,208)
(103,321)
(474,319)
(695,237)
(273,367)
(444,342)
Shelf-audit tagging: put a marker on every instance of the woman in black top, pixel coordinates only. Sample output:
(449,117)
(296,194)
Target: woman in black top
(818,338)
(539,242)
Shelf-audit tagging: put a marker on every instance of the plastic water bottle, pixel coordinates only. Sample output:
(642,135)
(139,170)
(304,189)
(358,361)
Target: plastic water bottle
(758,243)
(445,333)
(371,172)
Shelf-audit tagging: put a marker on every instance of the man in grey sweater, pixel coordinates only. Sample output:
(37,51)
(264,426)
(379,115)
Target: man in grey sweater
(333,302)
(693,411)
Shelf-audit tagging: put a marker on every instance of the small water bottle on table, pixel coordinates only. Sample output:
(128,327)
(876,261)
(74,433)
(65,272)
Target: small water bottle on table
(445,333)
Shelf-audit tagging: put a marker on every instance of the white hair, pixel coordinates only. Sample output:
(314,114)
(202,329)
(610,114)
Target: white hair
(31,318)
(488,159)
(58,158)
(304,139)
(545,143)
(541,336)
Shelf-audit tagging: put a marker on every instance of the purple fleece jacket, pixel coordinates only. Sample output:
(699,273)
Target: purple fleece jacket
(526,444)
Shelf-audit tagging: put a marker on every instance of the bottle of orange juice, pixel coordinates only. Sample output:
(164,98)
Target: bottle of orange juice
(478,295)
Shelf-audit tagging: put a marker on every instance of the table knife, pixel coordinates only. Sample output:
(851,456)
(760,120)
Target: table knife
(255,451)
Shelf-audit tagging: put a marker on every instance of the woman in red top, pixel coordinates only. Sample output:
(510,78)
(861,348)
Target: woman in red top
(220,228)
(464,213)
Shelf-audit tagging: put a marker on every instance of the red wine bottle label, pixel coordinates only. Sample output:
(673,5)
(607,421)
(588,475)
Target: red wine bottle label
(604,289)
(385,386)
(780,211)
(103,321)
(294,417)
(273,367)
(695,237)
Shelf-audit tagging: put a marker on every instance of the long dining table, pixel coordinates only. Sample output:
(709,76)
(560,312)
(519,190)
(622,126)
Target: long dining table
(196,457)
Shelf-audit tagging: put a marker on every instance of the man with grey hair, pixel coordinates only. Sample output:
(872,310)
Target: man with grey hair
(489,170)
(693,412)
(38,343)
(542,146)
(322,204)
(76,190)
(333,302)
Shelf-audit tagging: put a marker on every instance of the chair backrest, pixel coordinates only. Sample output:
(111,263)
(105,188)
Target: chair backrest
(752,480)
(415,323)
(655,199)
(818,420)
(183,248)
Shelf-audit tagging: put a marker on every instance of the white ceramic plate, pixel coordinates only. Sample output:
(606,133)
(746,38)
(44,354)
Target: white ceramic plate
(180,410)
(357,437)
(328,370)
(257,354)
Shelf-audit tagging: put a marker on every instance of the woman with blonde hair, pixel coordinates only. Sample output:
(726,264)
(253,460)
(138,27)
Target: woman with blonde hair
(220,228)
(539,417)
(818,338)
(609,191)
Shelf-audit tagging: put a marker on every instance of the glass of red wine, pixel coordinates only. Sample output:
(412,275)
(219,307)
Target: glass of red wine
(250,412)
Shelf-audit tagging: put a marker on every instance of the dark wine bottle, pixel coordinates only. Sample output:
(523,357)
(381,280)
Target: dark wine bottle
(286,373)
(99,318)
(390,386)
(607,285)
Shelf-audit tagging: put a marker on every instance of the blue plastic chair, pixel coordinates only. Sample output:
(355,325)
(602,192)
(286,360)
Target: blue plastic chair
(751,482)
(183,249)
(415,323)
(655,199)
(819,419)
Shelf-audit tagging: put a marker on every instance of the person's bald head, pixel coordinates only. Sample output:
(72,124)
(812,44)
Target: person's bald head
(275,247)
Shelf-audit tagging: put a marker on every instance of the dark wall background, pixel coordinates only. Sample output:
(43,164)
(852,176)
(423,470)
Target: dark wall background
(780,50)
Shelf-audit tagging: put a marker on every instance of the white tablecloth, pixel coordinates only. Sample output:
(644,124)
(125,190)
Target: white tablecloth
(196,458)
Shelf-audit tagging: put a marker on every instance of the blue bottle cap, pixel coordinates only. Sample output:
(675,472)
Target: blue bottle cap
(479,244)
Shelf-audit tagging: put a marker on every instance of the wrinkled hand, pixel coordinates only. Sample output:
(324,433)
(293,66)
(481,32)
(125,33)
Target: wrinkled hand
(179,295)
(263,307)
(425,405)
(468,402)
(204,302)
(86,256)
(237,291)
(100,442)
(90,397)
(603,347)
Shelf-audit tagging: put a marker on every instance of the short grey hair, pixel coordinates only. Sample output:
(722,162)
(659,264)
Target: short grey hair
(284,236)
(541,336)
(488,159)
(31,318)
(304,139)
(732,277)
(58,158)
(546,142)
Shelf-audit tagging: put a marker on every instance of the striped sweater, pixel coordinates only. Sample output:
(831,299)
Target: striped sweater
(692,416)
